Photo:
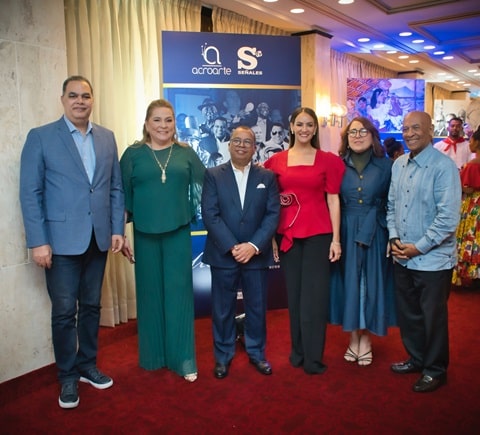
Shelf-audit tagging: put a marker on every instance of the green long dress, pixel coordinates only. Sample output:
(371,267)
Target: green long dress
(161,214)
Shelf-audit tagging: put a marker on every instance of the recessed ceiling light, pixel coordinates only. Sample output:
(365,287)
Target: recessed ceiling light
(467,84)
(297,11)
(418,41)
(428,47)
(477,74)
(270,1)
(472,70)
(378,46)
(403,56)
(447,57)
(363,39)
(413,61)
(455,80)
(442,73)
(449,77)
(405,34)
(391,51)
(438,53)
(345,2)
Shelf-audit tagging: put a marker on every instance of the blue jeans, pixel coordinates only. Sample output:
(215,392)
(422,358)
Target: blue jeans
(74,285)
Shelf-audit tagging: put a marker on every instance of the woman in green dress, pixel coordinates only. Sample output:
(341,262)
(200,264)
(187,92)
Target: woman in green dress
(162,181)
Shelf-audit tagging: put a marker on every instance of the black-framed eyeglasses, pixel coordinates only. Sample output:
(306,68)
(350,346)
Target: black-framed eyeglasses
(274,133)
(362,132)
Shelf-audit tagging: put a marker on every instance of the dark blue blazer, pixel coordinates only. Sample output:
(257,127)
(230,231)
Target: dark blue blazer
(228,224)
(59,204)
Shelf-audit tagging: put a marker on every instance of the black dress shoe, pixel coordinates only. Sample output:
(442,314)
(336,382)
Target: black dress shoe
(221,370)
(427,384)
(405,367)
(262,366)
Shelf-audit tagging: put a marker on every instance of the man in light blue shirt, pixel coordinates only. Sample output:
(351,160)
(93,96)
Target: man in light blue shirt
(423,214)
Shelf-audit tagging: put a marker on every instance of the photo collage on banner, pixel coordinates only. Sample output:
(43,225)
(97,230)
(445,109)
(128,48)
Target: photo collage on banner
(385,102)
(217,82)
(444,111)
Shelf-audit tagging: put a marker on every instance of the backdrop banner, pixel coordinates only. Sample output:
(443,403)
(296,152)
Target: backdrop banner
(217,81)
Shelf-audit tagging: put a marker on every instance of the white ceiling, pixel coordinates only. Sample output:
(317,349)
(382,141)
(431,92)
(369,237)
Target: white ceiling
(452,26)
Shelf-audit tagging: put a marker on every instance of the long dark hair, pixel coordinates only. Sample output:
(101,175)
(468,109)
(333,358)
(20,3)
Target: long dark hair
(314,142)
(377,147)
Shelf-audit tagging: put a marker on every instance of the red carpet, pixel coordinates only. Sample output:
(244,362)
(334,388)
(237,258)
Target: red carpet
(346,399)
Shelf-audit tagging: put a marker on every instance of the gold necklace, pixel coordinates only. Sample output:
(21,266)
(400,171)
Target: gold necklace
(162,168)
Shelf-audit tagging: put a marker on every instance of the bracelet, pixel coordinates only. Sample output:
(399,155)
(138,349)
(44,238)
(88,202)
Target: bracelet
(336,243)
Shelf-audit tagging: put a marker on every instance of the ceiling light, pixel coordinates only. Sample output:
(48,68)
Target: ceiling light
(391,51)
(461,81)
(455,80)
(418,41)
(447,57)
(363,39)
(345,2)
(405,34)
(477,74)
(428,47)
(438,53)
(467,84)
(413,61)
(403,56)
(270,1)
(377,46)
(472,70)
(297,11)
(442,73)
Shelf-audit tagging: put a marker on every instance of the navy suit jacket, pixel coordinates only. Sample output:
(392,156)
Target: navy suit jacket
(228,224)
(59,204)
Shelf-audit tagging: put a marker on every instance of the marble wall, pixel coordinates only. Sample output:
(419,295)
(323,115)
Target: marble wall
(33,65)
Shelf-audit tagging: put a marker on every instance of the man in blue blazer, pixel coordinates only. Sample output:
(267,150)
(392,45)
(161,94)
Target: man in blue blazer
(73,210)
(240,210)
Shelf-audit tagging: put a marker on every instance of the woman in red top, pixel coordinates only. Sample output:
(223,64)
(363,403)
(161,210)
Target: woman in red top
(308,234)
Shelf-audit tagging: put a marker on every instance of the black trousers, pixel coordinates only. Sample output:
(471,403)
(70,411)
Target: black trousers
(307,274)
(422,311)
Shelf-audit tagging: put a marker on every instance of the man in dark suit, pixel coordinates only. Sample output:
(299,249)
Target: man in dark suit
(73,210)
(240,209)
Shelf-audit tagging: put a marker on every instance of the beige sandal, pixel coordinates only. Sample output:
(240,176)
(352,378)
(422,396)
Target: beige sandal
(191,377)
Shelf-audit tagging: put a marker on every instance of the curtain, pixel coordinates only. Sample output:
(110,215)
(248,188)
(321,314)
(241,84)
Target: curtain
(432,93)
(116,44)
(344,66)
(230,22)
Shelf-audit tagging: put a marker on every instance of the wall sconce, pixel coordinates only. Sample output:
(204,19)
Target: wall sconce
(338,113)
(335,116)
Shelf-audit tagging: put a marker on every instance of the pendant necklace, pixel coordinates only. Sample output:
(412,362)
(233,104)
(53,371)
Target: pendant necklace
(163,168)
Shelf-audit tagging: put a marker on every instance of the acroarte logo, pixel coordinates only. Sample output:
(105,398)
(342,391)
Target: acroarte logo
(212,65)
(248,61)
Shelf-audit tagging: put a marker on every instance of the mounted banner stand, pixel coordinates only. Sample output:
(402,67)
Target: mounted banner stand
(217,81)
